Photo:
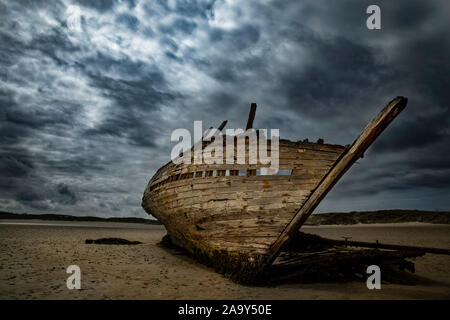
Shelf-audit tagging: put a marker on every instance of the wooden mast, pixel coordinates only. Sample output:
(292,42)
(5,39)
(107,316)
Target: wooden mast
(353,153)
(222,125)
(251,117)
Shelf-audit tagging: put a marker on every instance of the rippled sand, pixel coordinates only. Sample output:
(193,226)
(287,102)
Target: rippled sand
(34,256)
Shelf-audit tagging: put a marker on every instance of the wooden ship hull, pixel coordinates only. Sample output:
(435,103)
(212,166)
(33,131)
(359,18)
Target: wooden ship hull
(237,220)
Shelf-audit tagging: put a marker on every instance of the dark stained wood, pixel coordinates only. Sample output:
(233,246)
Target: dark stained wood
(251,116)
(222,125)
(378,245)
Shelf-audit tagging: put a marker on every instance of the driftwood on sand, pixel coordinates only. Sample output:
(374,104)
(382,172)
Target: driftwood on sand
(112,241)
(311,258)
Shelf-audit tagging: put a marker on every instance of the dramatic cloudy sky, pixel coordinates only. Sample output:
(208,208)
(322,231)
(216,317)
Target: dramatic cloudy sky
(86,115)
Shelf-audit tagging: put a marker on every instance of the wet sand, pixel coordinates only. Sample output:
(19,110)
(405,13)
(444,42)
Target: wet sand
(34,256)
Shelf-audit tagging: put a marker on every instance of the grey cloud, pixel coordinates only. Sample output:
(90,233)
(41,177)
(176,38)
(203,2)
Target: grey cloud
(195,8)
(235,40)
(129,20)
(180,25)
(100,5)
(67,194)
(13,167)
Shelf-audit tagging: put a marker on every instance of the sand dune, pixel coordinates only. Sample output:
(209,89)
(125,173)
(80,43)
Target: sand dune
(34,258)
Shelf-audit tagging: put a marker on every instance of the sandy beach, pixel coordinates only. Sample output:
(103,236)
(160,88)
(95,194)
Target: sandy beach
(34,256)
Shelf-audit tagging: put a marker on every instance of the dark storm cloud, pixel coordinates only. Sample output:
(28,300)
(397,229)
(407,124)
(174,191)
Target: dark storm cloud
(100,5)
(341,70)
(86,115)
(184,26)
(133,98)
(180,25)
(67,194)
(417,132)
(15,167)
(195,8)
(128,20)
(235,40)
(10,132)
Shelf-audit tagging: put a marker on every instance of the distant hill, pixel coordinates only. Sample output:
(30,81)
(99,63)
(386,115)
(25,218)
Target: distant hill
(382,216)
(342,218)
(62,217)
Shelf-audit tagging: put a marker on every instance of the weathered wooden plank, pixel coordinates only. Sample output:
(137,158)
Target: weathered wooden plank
(244,245)
(185,174)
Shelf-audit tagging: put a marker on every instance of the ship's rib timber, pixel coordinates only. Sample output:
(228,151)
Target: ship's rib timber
(236,219)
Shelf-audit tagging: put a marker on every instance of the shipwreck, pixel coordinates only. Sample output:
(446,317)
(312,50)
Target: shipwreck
(240,224)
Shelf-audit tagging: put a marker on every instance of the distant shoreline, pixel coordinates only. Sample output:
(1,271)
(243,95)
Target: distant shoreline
(379,217)
(333,218)
(63,217)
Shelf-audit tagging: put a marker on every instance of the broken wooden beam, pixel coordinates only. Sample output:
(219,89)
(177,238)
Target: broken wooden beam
(353,153)
(378,245)
(205,135)
(222,125)
(251,117)
(341,265)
